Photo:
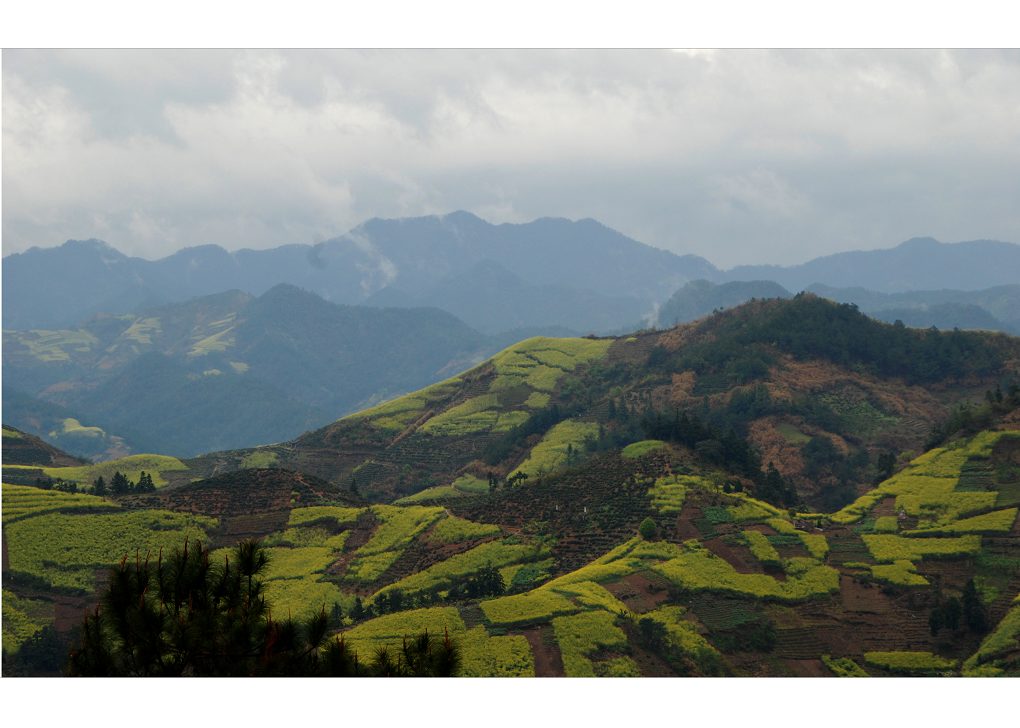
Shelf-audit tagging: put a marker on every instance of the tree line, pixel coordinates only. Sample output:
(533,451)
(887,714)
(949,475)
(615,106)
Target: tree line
(725,449)
(969,419)
(809,327)
(119,484)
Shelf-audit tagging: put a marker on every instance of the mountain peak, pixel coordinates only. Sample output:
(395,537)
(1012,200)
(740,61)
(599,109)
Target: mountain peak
(287,291)
(92,245)
(919,244)
(460,217)
(207,251)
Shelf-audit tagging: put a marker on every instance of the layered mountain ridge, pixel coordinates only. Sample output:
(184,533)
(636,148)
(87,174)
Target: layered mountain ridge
(550,272)
(224,370)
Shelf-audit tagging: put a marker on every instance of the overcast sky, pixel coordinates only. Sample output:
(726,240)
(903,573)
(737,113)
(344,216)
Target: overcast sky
(738,156)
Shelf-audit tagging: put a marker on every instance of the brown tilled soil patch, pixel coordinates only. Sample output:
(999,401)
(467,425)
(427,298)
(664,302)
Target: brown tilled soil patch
(250,525)
(244,492)
(872,619)
(548,660)
(789,551)
(361,532)
(738,557)
(885,507)
(685,528)
(638,592)
(807,668)
(755,664)
(858,597)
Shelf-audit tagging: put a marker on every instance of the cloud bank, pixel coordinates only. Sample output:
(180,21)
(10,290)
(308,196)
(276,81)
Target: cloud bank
(738,156)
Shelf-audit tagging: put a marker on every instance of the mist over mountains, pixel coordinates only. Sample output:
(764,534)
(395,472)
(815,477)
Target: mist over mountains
(748,462)
(225,370)
(579,275)
(993,309)
(918,264)
(207,349)
(416,260)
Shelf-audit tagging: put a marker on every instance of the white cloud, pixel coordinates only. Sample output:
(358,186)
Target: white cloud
(759,192)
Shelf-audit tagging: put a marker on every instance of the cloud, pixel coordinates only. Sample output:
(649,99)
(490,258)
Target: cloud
(739,156)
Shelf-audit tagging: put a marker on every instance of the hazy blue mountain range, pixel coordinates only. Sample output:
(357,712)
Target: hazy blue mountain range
(579,275)
(1000,302)
(226,370)
(535,271)
(491,298)
(994,309)
(942,316)
(225,356)
(919,264)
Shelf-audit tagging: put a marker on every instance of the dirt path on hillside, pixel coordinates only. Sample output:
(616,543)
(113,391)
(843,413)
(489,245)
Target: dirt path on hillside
(548,661)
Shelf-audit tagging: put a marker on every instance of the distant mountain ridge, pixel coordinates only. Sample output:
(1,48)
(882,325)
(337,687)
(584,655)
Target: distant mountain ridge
(227,369)
(580,275)
(993,309)
(491,298)
(915,265)
(700,298)
(413,257)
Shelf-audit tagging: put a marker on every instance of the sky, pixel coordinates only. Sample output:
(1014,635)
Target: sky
(737,156)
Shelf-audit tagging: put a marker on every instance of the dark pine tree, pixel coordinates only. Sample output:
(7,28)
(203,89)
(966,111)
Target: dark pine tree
(119,484)
(145,484)
(974,610)
(185,615)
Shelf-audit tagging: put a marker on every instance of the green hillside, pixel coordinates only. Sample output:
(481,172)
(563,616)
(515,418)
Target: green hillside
(734,586)
(657,504)
(729,585)
(832,398)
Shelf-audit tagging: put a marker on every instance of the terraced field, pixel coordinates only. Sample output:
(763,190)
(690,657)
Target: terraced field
(23,501)
(65,549)
(757,584)
(514,383)
(160,467)
(562,445)
(22,618)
